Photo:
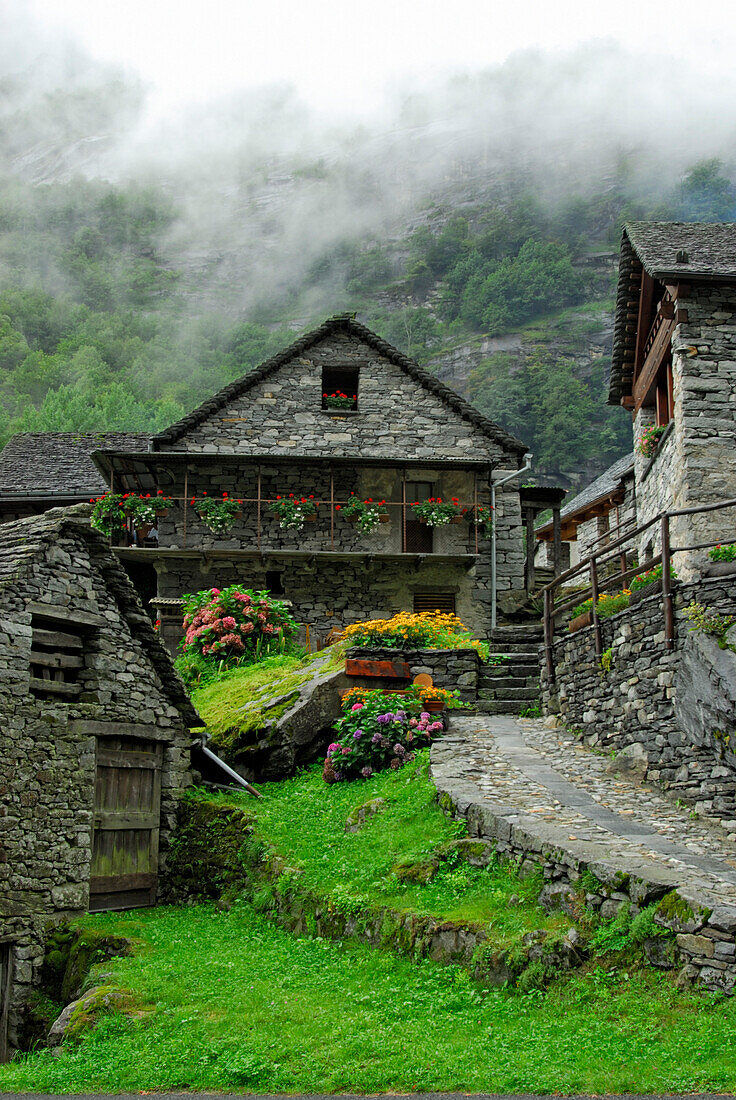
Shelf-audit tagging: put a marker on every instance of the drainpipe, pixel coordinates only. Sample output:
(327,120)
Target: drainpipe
(226,768)
(494,485)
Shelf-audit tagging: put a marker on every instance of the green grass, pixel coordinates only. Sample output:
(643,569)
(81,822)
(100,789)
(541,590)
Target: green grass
(304,820)
(239,1004)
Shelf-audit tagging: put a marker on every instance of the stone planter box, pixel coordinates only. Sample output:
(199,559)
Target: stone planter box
(581,621)
(721,569)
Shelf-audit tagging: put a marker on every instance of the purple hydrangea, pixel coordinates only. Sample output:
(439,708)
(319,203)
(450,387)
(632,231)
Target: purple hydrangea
(376,738)
(357,735)
(384,719)
(366,772)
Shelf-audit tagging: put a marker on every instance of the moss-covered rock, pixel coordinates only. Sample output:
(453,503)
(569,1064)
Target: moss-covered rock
(83,1013)
(359,814)
(420,871)
(88,949)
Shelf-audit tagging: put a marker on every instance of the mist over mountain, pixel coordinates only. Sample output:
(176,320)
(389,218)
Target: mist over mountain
(145,260)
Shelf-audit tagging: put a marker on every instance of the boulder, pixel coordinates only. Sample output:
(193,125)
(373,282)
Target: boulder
(85,1011)
(631,763)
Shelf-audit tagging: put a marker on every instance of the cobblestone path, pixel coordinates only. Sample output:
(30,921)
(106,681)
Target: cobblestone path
(542,781)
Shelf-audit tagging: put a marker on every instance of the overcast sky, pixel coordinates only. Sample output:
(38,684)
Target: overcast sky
(343,55)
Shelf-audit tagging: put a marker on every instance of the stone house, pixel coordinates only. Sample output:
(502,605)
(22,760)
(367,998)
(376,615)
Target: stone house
(601,512)
(405,437)
(674,368)
(95,741)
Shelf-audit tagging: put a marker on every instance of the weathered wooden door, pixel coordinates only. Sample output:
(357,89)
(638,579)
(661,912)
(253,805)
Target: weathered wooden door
(126,824)
(418,536)
(6,983)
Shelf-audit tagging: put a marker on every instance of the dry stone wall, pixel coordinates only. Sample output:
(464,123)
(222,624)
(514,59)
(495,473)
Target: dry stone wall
(633,705)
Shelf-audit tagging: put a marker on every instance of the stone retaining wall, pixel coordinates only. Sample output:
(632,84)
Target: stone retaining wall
(643,701)
(453,669)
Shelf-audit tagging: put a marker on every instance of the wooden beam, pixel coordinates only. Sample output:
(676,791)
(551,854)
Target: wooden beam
(650,369)
(643,323)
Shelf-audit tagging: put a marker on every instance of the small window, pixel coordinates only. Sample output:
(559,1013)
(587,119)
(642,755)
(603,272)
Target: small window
(434,601)
(57,656)
(275,582)
(340,389)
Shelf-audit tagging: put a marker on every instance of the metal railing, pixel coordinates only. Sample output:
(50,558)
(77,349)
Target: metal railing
(603,577)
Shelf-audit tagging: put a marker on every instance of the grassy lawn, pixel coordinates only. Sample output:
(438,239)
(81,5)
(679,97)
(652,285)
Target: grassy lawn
(304,820)
(238,1004)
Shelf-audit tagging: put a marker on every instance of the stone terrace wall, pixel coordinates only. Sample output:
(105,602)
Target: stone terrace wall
(640,701)
(454,669)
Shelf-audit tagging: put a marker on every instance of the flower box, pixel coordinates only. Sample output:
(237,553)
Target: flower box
(355,518)
(433,706)
(394,670)
(581,621)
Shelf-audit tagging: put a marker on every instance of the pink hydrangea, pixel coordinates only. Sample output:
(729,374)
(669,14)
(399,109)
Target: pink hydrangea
(357,706)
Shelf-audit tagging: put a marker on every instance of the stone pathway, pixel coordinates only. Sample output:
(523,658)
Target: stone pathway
(545,783)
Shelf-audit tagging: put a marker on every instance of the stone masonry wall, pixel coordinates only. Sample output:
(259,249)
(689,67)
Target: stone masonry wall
(696,462)
(330,595)
(635,702)
(396,417)
(453,669)
(47,770)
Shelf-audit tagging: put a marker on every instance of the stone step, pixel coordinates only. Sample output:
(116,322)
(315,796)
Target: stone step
(522,646)
(529,693)
(503,706)
(508,681)
(516,633)
(526,658)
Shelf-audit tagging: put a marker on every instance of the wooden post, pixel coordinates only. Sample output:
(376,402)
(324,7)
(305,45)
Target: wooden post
(529,523)
(332,509)
(669,614)
(475,508)
(186,501)
(596,620)
(549,630)
(556,540)
(258,520)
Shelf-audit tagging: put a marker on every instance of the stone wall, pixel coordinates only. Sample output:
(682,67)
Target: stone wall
(453,669)
(47,771)
(331,594)
(396,416)
(695,463)
(635,704)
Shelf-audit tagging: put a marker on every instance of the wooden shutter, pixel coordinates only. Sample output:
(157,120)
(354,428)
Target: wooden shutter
(434,601)
(124,872)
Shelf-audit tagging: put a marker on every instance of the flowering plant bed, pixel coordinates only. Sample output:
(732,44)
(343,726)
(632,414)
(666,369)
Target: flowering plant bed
(429,630)
(293,511)
(481,516)
(340,400)
(218,514)
(367,514)
(611,603)
(648,441)
(372,735)
(436,512)
(233,623)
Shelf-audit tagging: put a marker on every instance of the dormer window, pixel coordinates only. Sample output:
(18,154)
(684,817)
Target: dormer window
(340,389)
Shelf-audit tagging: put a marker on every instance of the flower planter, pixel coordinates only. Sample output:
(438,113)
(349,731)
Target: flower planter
(392,670)
(456,519)
(433,706)
(311,519)
(581,621)
(143,531)
(162,513)
(721,569)
(382,518)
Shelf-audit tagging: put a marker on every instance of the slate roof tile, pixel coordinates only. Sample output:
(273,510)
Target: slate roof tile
(59,462)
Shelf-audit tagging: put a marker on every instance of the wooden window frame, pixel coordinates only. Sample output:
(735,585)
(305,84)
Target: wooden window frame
(343,377)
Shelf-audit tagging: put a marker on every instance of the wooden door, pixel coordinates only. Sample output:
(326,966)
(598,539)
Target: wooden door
(127,816)
(6,981)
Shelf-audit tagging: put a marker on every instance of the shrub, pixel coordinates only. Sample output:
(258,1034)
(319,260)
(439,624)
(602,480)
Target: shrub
(371,736)
(235,623)
(430,630)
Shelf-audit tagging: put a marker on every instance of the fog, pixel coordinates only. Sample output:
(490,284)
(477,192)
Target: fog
(263,184)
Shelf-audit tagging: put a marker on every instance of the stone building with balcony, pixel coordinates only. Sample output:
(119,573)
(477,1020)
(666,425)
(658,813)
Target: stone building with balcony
(674,369)
(404,437)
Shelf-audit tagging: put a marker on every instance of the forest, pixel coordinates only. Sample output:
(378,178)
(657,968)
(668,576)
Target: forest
(100,328)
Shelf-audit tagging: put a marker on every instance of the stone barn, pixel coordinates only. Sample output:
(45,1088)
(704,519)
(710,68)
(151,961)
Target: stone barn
(95,742)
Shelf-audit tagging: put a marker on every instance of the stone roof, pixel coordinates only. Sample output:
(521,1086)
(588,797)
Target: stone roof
(26,541)
(56,463)
(609,482)
(343,323)
(710,250)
